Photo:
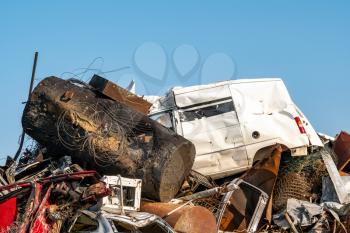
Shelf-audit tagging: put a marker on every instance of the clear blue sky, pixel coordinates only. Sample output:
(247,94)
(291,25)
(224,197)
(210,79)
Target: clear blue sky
(307,43)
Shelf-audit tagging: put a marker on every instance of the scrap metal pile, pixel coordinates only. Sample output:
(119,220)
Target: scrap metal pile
(100,164)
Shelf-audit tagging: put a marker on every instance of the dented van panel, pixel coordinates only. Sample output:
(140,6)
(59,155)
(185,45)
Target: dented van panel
(229,122)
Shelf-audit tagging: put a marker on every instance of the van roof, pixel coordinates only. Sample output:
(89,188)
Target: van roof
(181,90)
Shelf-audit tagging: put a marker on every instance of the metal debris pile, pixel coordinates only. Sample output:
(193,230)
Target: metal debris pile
(100,164)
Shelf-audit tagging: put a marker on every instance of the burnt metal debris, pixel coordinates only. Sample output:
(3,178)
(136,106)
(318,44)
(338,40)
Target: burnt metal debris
(101,164)
(119,94)
(108,136)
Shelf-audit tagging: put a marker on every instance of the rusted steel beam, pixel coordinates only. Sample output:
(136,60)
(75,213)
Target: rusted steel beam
(263,175)
(119,94)
(211,192)
(107,136)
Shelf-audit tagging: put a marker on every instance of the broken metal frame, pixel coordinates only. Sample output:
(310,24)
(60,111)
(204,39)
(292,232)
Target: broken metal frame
(134,219)
(259,209)
(115,203)
(140,219)
(51,179)
(228,191)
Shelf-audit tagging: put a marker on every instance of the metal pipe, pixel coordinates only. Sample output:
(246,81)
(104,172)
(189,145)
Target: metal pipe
(211,192)
(29,95)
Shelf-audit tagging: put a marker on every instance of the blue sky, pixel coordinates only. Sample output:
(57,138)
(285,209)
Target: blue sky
(304,42)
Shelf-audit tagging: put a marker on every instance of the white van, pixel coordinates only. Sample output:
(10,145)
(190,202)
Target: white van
(233,123)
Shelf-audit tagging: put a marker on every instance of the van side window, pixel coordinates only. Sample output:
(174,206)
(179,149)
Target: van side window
(207,111)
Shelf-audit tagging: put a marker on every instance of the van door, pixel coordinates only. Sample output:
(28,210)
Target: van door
(214,129)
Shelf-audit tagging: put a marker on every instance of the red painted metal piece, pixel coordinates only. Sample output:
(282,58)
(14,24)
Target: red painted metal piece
(37,204)
(32,206)
(13,186)
(8,212)
(40,223)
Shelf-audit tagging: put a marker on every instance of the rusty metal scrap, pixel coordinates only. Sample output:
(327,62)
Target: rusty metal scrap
(242,205)
(46,194)
(243,209)
(183,218)
(341,147)
(264,173)
(226,201)
(119,94)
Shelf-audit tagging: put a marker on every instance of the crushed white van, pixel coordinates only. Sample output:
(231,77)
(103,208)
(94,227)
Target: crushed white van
(233,123)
